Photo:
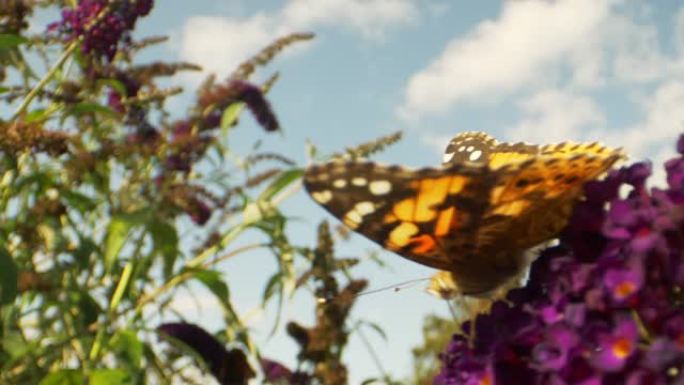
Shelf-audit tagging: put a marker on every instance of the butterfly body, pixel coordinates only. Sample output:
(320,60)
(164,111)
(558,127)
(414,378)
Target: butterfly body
(476,215)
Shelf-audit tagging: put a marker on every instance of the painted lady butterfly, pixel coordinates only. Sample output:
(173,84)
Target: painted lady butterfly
(476,215)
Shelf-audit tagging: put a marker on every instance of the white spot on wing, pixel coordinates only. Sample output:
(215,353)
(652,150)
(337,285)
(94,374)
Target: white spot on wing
(380,187)
(364,207)
(322,197)
(448,156)
(353,217)
(358,181)
(339,183)
(461,149)
(475,155)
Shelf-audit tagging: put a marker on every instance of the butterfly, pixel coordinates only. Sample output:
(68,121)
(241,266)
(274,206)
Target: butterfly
(476,215)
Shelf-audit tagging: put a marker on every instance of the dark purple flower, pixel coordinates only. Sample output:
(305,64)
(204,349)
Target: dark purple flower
(278,374)
(102,29)
(230,367)
(199,211)
(275,371)
(252,96)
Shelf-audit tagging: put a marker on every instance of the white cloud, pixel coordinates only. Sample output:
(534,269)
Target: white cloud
(555,116)
(637,55)
(505,54)
(371,18)
(219,44)
(656,134)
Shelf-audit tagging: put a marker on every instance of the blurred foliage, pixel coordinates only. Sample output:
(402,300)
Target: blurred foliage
(437,333)
(110,206)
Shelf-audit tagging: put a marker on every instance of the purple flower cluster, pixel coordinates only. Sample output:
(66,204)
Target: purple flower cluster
(229,367)
(102,36)
(602,307)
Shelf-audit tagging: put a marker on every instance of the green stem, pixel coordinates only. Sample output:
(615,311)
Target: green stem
(48,76)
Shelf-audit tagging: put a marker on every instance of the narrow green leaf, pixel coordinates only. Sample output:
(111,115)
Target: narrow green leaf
(284,179)
(8,277)
(226,238)
(37,115)
(376,328)
(121,286)
(4,89)
(117,233)
(80,202)
(110,377)
(63,377)
(273,286)
(88,108)
(165,240)
(231,114)
(212,280)
(10,40)
(370,381)
(115,84)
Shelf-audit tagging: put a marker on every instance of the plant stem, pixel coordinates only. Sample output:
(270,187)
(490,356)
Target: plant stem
(48,76)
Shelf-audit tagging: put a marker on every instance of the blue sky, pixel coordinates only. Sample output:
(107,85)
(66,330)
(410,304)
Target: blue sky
(535,70)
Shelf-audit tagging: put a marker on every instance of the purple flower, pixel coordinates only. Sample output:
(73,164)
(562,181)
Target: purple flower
(615,347)
(275,371)
(230,367)
(101,32)
(622,283)
(199,211)
(252,96)
(552,353)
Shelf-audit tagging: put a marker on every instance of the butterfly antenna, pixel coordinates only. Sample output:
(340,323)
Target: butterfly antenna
(396,287)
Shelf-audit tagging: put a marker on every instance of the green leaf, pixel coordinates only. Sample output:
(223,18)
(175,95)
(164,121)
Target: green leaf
(165,240)
(94,108)
(231,114)
(80,202)
(212,280)
(376,328)
(86,307)
(37,115)
(116,85)
(10,41)
(8,277)
(110,377)
(63,377)
(14,344)
(284,179)
(121,286)
(274,285)
(117,233)
(4,89)
(370,381)
(85,249)
(127,344)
